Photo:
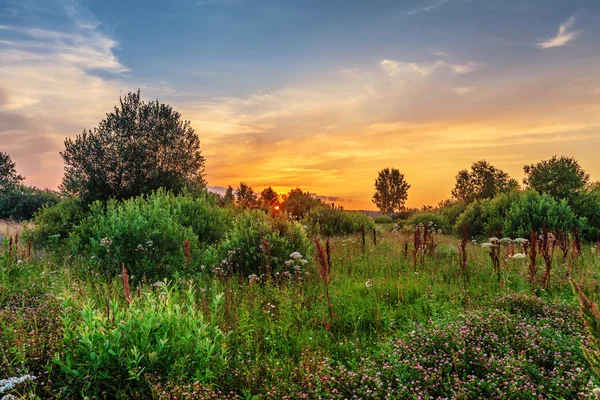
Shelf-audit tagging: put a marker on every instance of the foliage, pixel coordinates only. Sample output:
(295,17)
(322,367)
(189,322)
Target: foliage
(140,233)
(269,198)
(586,204)
(391,191)
(52,225)
(297,203)
(8,173)
(245,196)
(147,234)
(590,316)
(483,182)
(20,202)
(138,148)
(426,218)
(451,210)
(533,211)
(560,177)
(331,221)
(383,219)
(162,333)
(257,244)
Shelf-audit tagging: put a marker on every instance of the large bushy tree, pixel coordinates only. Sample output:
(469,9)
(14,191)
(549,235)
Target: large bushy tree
(391,191)
(484,181)
(138,148)
(560,177)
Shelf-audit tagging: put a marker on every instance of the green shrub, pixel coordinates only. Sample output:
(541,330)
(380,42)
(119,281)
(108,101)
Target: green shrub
(256,243)
(330,221)
(162,334)
(425,218)
(383,219)
(52,225)
(21,202)
(587,205)
(140,233)
(534,211)
(451,211)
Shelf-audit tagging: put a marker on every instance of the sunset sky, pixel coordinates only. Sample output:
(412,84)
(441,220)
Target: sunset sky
(318,94)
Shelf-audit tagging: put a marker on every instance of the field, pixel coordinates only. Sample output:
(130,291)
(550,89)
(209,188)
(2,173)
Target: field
(398,323)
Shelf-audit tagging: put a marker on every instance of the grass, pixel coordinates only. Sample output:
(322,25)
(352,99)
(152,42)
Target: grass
(385,328)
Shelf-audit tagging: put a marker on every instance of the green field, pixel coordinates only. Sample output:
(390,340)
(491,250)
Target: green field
(395,328)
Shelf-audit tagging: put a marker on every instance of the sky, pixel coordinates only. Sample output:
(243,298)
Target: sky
(314,94)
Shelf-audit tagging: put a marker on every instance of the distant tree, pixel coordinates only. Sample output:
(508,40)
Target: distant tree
(391,191)
(21,202)
(229,196)
(298,203)
(560,177)
(138,148)
(8,173)
(483,182)
(245,196)
(269,198)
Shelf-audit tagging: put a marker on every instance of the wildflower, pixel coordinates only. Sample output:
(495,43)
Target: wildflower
(487,245)
(369,282)
(493,239)
(253,278)
(8,384)
(520,241)
(289,263)
(505,240)
(158,284)
(295,255)
(518,256)
(139,247)
(596,392)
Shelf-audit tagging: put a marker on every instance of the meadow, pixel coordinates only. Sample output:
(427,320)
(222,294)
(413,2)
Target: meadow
(385,312)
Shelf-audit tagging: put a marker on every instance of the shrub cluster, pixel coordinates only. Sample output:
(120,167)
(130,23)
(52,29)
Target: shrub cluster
(331,221)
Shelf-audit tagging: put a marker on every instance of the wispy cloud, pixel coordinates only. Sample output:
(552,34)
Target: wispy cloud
(463,90)
(564,35)
(430,7)
(51,88)
(404,69)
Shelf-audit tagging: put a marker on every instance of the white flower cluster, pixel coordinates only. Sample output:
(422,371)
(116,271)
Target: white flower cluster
(8,384)
(518,256)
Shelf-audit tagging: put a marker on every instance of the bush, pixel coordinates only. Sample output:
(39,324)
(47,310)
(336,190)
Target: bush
(383,219)
(330,221)
(534,211)
(160,335)
(20,203)
(257,243)
(52,225)
(451,211)
(139,233)
(425,218)
(587,205)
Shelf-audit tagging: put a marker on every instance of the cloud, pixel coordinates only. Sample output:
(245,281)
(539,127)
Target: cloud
(463,90)
(51,89)
(564,35)
(431,7)
(405,69)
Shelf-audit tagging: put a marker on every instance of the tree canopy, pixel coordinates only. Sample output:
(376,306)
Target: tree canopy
(297,203)
(391,191)
(8,173)
(560,177)
(484,181)
(138,148)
